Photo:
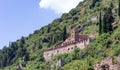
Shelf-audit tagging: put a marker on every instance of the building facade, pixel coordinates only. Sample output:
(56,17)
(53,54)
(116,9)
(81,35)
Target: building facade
(74,40)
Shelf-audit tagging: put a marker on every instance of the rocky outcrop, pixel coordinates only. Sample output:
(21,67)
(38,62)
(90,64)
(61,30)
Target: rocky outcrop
(108,64)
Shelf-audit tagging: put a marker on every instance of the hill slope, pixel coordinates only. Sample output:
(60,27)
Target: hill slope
(29,50)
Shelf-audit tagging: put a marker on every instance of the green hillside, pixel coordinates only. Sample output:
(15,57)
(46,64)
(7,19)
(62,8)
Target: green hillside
(29,50)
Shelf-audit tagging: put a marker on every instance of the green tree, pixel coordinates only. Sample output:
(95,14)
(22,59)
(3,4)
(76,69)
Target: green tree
(104,30)
(93,3)
(108,20)
(48,30)
(111,5)
(100,24)
(64,33)
(119,9)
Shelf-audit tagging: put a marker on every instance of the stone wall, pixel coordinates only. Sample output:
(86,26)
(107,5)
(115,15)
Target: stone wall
(65,49)
(74,40)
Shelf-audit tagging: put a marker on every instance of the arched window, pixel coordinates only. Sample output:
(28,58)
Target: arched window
(68,48)
(72,48)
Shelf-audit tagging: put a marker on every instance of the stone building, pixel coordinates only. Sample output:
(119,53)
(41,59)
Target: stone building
(74,40)
(108,64)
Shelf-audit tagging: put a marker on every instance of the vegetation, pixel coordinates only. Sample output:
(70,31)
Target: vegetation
(93,3)
(100,24)
(30,49)
(64,34)
(119,9)
(107,21)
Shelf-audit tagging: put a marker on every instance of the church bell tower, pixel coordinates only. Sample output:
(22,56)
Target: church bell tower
(74,34)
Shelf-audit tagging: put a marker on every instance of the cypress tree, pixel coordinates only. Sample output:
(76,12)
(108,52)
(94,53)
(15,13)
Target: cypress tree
(104,25)
(100,24)
(108,20)
(111,5)
(119,9)
(48,30)
(64,33)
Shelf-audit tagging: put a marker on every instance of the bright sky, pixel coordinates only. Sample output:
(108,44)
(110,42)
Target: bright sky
(21,17)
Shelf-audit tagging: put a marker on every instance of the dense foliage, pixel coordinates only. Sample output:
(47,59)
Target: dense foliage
(94,2)
(108,19)
(30,49)
(15,50)
(119,9)
(100,23)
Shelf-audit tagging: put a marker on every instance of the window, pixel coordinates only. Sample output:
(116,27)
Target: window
(68,48)
(72,48)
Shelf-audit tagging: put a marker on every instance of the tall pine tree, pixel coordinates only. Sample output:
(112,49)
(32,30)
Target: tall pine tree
(119,9)
(108,20)
(104,30)
(64,33)
(100,24)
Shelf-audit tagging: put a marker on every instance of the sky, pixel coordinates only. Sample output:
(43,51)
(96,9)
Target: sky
(22,17)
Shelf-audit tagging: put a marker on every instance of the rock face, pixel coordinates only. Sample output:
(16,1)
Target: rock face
(108,64)
(74,40)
